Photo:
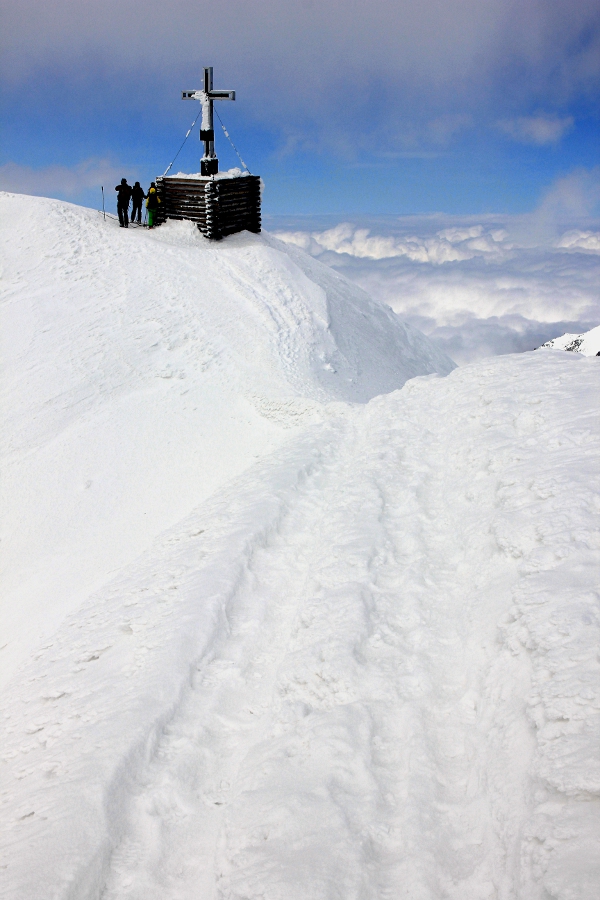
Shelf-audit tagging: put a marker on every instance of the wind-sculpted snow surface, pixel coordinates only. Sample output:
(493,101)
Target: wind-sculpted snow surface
(140,372)
(367,668)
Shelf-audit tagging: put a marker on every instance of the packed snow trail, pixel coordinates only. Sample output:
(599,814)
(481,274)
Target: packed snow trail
(367,669)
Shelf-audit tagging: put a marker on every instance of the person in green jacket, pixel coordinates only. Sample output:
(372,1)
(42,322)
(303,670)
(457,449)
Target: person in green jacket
(152,206)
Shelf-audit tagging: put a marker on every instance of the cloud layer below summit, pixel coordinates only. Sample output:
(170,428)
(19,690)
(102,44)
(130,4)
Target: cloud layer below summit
(479,286)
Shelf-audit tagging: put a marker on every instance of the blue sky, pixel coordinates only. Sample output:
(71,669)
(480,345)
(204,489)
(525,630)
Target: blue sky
(353,107)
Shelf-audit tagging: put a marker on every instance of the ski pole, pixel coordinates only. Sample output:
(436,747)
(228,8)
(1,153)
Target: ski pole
(103,210)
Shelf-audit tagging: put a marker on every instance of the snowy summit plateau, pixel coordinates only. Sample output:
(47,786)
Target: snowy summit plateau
(292,607)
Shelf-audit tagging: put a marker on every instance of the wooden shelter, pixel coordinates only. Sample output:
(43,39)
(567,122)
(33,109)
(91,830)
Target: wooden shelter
(219,203)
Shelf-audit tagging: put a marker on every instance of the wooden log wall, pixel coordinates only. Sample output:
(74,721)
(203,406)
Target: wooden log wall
(218,206)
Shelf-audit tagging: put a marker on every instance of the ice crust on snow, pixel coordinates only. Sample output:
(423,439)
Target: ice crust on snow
(353,652)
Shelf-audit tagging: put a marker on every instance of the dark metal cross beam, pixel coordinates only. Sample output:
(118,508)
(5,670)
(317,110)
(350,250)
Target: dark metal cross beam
(209,164)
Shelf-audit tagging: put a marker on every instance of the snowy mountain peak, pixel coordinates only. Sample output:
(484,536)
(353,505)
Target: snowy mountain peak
(588,343)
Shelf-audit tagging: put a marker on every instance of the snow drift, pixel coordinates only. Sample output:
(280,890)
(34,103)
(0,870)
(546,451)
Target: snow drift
(142,370)
(360,658)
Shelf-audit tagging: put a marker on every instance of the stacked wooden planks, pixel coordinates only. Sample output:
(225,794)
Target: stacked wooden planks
(219,206)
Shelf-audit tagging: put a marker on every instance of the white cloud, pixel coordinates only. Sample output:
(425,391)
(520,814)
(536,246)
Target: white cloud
(477,286)
(58,181)
(538,130)
(580,240)
(315,71)
(575,195)
(566,205)
(447,245)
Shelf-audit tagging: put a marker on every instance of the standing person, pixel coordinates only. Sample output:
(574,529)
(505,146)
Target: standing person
(123,197)
(137,195)
(152,205)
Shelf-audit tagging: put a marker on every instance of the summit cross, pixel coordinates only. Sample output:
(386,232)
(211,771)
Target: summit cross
(209,164)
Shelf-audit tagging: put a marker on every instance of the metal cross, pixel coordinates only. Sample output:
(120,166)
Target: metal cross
(209,164)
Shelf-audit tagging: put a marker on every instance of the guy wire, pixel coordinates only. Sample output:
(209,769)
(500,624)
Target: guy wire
(226,133)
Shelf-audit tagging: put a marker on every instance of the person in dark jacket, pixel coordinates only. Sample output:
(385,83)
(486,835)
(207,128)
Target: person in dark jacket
(152,205)
(123,197)
(137,195)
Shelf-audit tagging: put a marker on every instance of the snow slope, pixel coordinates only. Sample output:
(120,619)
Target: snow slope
(362,664)
(140,371)
(587,343)
(367,668)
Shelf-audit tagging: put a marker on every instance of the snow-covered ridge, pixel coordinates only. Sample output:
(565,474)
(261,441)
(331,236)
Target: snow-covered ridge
(144,369)
(587,343)
(262,638)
